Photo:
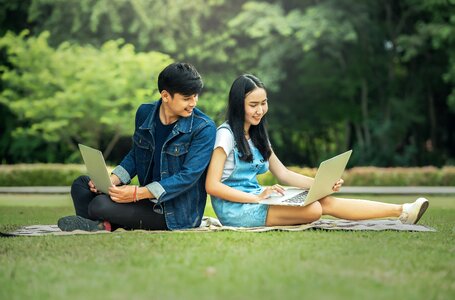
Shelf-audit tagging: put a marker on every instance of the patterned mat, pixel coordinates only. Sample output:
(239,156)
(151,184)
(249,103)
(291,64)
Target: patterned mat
(211,225)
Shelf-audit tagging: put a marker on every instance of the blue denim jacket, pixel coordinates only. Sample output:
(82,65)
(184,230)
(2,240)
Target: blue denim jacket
(184,159)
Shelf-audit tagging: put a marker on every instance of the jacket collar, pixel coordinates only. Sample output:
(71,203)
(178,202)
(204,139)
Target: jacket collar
(183,125)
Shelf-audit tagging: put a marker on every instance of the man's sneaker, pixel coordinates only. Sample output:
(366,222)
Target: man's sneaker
(412,212)
(71,223)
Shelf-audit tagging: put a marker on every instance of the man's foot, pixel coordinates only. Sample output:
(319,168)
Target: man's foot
(412,212)
(71,223)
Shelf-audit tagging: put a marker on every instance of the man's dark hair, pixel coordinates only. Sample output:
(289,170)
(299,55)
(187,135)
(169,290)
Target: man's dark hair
(182,78)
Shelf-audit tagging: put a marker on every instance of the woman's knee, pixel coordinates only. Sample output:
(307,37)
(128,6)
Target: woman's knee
(313,212)
(326,204)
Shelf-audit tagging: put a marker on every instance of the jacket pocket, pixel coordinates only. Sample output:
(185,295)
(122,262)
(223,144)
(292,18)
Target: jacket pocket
(176,154)
(143,150)
(177,149)
(141,142)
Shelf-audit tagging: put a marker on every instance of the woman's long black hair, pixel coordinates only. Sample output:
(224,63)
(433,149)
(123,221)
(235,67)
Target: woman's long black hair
(243,85)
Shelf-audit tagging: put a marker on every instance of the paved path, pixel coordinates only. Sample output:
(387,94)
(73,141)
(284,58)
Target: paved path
(422,190)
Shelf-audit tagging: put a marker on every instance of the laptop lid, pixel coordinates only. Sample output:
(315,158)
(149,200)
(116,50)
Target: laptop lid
(329,172)
(96,168)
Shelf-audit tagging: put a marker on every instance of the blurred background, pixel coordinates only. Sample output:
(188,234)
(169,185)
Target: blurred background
(376,76)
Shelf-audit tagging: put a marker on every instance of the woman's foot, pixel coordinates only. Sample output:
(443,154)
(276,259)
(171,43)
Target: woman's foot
(71,223)
(412,212)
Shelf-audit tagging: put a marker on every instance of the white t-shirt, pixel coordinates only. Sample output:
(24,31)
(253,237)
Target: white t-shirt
(225,140)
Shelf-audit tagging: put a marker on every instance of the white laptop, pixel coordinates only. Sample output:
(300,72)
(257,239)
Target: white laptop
(329,172)
(96,168)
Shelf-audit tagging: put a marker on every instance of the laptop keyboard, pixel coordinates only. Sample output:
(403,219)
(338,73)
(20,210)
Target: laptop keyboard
(299,198)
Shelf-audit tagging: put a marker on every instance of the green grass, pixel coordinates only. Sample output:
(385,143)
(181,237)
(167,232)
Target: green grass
(225,265)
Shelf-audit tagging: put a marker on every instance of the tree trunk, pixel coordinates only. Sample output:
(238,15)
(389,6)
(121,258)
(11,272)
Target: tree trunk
(432,117)
(359,134)
(365,115)
(111,144)
(347,136)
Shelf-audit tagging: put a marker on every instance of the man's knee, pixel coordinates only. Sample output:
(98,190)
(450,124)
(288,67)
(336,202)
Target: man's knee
(80,182)
(99,207)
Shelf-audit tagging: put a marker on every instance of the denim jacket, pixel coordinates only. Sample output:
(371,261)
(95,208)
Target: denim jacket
(184,159)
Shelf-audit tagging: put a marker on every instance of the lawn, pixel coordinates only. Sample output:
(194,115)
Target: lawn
(225,265)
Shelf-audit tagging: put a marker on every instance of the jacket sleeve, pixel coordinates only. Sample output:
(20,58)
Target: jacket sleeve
(196,161)
(126,170)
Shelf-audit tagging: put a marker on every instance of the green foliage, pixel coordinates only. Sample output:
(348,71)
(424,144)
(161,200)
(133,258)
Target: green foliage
(351,89)
(374,76)
(373,176)
(40,174)
(92,21)
(43,174)
(74,94)
(64,175)
(435,33)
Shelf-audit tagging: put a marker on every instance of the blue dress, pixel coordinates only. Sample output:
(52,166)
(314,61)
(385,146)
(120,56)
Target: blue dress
(243,178)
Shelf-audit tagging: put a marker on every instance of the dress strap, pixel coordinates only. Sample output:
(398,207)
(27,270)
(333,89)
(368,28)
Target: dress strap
(226,125)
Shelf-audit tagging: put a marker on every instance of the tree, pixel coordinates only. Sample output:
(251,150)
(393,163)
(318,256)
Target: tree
(376,76)
(193,31)
(74,94)
(428,48)
(342,73)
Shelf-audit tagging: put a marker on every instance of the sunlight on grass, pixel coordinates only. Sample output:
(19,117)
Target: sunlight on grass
(312,264)
(43,200)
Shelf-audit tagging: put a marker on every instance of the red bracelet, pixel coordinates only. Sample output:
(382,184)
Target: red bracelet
(134,194)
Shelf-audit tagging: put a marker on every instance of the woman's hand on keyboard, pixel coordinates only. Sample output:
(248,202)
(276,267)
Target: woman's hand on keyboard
(271,190)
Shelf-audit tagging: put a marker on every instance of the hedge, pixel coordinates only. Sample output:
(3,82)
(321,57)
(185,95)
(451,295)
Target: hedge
(63,175)
(39,174)
(373,176)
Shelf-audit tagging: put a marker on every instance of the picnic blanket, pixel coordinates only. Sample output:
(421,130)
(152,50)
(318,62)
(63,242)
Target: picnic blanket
(212,225)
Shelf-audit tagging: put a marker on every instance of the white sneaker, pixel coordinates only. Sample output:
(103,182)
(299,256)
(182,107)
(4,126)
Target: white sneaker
(412,212)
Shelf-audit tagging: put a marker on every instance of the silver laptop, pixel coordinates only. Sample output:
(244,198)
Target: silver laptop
(96,168)
(328,173)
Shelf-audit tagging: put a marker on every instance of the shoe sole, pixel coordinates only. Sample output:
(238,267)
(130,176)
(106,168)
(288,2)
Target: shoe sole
(72,223)
(422,210)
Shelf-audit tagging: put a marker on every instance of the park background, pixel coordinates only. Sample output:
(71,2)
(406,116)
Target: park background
(376,76)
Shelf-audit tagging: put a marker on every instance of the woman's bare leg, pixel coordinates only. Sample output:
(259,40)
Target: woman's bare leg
(289,215)
(357,209)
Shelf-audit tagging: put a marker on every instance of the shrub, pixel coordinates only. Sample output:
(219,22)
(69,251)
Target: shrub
(64,174)
(39,174)
(72,93)
(373,176)
(43,174)
(447,176)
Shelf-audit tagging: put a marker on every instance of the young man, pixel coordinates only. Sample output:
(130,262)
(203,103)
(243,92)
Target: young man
(172,145)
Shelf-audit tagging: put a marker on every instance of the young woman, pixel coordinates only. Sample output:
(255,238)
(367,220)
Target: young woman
(242,151)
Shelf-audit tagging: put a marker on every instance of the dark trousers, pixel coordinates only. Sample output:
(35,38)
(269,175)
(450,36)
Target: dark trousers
(133,215)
